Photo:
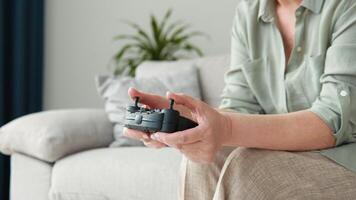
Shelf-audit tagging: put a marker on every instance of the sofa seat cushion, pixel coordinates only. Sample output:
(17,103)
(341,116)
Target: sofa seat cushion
(30,178)
(117,173)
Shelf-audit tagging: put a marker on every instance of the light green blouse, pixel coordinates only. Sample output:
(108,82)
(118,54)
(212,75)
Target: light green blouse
(320,75)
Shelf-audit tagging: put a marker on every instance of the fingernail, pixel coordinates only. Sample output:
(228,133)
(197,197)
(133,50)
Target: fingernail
(153,137)
(146,137)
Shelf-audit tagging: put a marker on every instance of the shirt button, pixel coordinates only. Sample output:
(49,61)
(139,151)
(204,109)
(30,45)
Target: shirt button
(299,49)
(343,93)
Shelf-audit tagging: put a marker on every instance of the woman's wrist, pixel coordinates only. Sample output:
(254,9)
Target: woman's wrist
(226,129)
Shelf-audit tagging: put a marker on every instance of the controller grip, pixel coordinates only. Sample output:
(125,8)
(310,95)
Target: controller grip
(185,123)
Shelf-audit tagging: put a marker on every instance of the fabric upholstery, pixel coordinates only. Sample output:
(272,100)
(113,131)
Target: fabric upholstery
(133,173)
(52,135)
(283,175)
(190,189)
(30,178)
(210,69)
(211,74)
(252,174)
(178,76)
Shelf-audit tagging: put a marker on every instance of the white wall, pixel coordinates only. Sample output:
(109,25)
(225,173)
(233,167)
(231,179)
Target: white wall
(79,41)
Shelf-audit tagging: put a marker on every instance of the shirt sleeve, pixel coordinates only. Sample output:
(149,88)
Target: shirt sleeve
(336,104)
(237,95)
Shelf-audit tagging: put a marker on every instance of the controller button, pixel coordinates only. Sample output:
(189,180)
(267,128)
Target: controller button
(138,119)
(144,109)
(131,109)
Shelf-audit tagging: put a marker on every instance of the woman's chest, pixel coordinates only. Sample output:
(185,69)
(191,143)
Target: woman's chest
(281,89)
(278,91)
(285,22)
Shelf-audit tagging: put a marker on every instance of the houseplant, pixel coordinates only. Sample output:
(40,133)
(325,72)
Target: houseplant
(165,40)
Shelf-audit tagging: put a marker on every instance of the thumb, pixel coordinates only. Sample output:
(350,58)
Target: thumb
(185,100)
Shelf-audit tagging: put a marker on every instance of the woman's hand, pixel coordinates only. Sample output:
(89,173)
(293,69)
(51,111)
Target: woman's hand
(201,143)
(151,101)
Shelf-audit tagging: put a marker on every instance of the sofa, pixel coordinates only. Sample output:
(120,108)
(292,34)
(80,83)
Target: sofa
(83,167)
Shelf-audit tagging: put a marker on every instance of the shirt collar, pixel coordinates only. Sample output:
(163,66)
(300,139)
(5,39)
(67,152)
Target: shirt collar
(313,5)
(266,8)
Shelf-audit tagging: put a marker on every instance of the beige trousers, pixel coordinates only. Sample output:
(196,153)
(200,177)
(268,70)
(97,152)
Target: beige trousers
(251,174)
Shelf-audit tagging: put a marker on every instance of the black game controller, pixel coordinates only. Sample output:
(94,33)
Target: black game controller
(156,120)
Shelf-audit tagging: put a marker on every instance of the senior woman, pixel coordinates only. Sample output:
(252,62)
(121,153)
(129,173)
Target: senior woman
(286,126)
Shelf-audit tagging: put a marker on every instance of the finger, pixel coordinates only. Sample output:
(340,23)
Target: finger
(185,100)
(153,144)
(133,93)
(151,100)
(181,137)
(135,134)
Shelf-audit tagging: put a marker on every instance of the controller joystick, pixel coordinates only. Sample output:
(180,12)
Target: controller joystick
(156,120)
(171,103)
(135,107)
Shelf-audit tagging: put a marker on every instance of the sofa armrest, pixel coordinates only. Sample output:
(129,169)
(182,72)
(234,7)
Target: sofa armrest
(52,135)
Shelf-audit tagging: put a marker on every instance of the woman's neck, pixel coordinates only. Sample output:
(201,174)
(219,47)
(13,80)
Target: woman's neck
(289,3)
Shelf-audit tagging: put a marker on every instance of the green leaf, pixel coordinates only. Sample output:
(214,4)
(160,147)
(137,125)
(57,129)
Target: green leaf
(179,30)
(172,27)
(139,30)
(155,29)
(191,47)
(166,18)
(129,37)
(123,50)
(183,38)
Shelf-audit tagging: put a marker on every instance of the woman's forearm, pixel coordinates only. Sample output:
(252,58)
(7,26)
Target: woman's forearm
(298,131)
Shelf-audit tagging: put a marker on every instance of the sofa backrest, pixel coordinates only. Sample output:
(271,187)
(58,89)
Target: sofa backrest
(211,72)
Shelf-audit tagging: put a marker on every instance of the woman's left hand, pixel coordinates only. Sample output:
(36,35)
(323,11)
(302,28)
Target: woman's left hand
(201,143)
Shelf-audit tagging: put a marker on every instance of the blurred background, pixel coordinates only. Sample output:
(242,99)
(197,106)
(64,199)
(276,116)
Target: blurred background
(51,50)
(79,39)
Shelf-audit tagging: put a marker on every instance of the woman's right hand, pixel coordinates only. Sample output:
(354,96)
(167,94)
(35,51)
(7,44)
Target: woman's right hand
(151,101)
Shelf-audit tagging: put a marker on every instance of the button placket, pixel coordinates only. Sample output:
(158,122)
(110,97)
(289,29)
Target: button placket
(299,35)
(299,24)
